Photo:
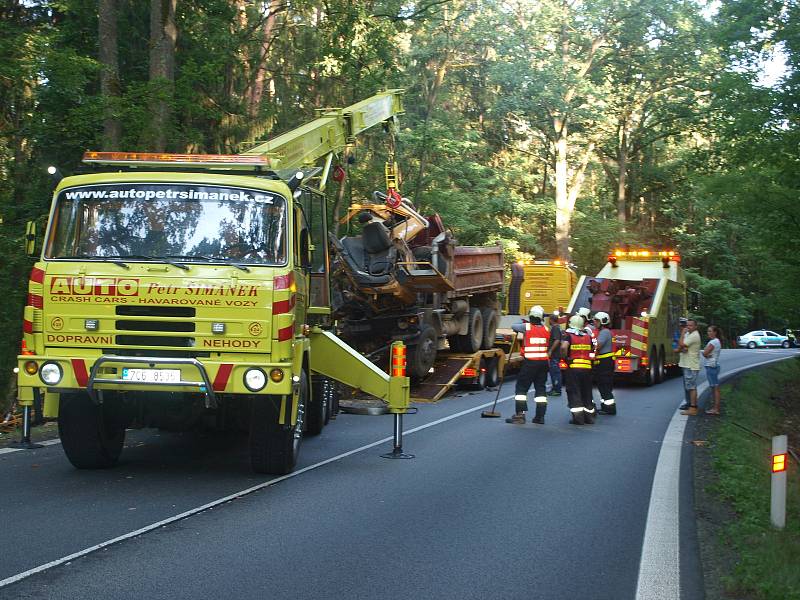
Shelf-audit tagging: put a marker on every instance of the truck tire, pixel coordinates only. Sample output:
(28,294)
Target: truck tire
(317,414)
(91,434)
(422,354)
(490,322)
(273,447)
(472,341)
(652,367)
(492,372)
(662,365)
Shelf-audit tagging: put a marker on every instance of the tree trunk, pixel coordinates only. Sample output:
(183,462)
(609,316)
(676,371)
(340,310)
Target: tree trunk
(563,211)
(257,89)
(438,79)
(163,38)
(109,73)
(622,164)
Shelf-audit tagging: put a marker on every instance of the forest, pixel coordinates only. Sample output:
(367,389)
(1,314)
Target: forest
(560,128)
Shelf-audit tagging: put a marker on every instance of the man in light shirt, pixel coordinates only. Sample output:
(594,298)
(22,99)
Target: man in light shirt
(689,347)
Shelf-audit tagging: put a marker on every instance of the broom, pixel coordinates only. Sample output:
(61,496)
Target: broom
(492,414)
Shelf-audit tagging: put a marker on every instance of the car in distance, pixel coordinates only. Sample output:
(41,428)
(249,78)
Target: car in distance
(761,339)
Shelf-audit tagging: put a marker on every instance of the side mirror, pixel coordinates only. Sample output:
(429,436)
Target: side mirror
(30,238)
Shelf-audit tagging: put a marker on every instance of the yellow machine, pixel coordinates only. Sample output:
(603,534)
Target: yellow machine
(548,283)
(178,290)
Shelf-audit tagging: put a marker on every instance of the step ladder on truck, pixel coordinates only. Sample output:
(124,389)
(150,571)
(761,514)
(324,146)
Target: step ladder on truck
(180,290)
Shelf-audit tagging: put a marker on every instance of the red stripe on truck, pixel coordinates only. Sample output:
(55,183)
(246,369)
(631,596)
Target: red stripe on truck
(222,376)
(79,368)
(283,306)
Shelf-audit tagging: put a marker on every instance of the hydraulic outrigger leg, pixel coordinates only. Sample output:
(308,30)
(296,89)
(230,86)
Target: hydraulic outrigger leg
(397,451)
(25,443)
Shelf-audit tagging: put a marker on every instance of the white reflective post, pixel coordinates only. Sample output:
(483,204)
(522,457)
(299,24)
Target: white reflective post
(777,512)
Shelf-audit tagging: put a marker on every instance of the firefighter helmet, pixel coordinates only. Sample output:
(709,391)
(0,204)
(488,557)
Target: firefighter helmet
(536,312)
(576,322)
(602,317)
(584,312)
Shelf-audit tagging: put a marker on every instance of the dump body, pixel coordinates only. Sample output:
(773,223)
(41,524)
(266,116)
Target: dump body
(645,300)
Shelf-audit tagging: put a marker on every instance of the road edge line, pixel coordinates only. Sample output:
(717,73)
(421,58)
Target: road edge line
(659,563)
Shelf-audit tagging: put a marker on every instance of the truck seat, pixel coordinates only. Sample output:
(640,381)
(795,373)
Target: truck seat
(361,265)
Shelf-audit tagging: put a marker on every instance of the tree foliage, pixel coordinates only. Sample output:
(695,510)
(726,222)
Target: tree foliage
(556,127)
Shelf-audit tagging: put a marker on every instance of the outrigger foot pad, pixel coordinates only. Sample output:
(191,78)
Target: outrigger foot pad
(397,453)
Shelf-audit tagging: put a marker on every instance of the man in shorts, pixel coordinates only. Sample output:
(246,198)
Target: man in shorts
(689,347)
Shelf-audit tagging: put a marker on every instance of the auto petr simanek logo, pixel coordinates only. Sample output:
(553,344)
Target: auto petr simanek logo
(94,286)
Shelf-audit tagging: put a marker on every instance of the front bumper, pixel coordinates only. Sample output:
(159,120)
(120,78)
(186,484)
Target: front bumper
(209,377)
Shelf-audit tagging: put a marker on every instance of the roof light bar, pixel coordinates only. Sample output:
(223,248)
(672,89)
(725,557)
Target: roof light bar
(669,255)
(156,158)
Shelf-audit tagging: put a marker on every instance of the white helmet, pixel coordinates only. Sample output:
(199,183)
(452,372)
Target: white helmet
(576,322)
(602,317)
(584,312)
(536,312)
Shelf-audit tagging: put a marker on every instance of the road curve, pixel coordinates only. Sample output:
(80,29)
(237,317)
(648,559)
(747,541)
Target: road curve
(486,510)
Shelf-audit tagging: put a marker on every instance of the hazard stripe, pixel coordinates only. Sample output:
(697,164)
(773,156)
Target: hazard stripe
(221,378)
(79,368)
(640,323)
(37,275)
(283,306)
(27,326)
(638,337)
(35,300)
(286,333)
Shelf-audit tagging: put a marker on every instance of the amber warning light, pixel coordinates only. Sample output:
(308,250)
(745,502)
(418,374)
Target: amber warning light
(157,157)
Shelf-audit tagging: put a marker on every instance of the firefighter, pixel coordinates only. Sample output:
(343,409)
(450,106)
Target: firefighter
(576,348)
(604,363)
(535,366)
(592,331)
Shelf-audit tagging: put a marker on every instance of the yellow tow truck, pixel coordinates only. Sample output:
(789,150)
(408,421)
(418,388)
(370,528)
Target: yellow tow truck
(177,290)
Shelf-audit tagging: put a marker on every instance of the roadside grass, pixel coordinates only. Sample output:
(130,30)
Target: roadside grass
(766,402)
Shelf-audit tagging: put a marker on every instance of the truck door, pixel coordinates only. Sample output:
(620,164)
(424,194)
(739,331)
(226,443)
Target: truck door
(314,209)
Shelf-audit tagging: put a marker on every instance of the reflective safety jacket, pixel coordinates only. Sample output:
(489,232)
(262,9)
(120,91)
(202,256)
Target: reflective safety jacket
(580,350)
(535,342)
(593,334)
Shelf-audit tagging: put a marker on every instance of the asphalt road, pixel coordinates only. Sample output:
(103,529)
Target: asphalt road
(485,510)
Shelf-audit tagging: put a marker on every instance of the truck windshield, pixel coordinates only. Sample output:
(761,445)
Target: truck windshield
(131,220)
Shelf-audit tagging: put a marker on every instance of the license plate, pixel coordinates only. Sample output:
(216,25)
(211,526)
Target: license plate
(152,375)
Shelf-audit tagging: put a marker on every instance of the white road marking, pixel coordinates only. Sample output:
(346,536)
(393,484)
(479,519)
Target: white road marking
(234,496)
(659,566)
(42,443)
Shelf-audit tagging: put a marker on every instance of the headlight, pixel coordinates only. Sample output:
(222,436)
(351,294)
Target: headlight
(255,380)
(51,373)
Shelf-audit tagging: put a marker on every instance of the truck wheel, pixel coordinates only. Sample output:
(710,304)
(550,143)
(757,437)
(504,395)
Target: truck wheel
(492,372)
(662,365)
(317,406)
(422,354)
(471,342)
(91,434)
(273,447)
(490,322)
(652,367)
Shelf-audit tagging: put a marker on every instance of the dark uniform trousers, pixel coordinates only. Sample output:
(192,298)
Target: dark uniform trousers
(533,371)
(579,395)
(605,377)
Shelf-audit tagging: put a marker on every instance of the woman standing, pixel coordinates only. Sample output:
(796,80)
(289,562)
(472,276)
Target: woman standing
(711,356)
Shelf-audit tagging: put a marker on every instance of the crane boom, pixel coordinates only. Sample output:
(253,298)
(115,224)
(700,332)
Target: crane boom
(331,132)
